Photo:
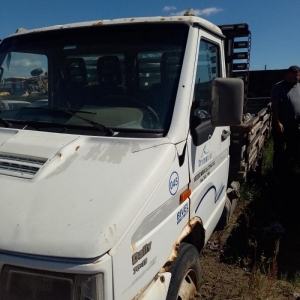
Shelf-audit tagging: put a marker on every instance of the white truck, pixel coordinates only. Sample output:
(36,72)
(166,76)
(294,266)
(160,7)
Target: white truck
(112,187)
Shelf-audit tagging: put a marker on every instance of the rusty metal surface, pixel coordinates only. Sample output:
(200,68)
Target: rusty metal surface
(185,232)
(187,19)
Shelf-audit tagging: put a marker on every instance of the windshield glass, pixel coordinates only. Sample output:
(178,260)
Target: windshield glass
(122,76)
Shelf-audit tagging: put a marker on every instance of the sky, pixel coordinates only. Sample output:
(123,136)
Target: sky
(274,23)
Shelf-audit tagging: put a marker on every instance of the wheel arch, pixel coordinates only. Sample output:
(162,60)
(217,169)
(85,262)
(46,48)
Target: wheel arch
(194,234)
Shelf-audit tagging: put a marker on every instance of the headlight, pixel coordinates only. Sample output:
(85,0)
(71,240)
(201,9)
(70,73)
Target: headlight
(20,284)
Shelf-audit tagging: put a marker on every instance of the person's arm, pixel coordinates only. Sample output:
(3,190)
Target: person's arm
(275,109)
(276,123)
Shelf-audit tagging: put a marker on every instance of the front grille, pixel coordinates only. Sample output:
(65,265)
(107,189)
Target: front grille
(25,167)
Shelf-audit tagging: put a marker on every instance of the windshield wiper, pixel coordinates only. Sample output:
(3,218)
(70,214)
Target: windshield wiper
(5,123)
(72,112)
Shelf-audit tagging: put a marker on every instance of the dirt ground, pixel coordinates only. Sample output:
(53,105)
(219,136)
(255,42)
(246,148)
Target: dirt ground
(257,255)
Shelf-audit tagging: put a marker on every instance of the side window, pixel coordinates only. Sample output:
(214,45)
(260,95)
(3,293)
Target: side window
(208,67)
(24,76)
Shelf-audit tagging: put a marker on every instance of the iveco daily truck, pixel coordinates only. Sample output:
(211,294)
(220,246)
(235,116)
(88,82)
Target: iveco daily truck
(115,175)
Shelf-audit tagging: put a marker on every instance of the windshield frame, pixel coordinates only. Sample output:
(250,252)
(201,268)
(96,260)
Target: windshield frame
(81,31)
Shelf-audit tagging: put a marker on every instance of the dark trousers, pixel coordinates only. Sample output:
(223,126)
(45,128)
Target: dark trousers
(285,148)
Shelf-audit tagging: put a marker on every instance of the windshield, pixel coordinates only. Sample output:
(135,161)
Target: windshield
(122,76)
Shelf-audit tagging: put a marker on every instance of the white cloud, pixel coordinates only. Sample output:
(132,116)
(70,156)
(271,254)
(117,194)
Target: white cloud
(200,12)
(25,62)
(178,13)
(207,11)
(168,8)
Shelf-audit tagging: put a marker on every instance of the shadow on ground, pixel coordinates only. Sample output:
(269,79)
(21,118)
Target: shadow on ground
(268,227)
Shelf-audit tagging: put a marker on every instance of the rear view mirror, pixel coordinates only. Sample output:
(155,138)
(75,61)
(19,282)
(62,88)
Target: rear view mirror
(227,101)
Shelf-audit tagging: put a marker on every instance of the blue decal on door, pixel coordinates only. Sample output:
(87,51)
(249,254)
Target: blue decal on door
(220,193)
(210,188)
(217,194)
(173,183)
(182,213)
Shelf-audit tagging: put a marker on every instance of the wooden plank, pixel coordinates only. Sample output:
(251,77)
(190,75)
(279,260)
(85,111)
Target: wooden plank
(248,139)
(252,122)
(253,142)
(253,137)
(262,112)
(256,128)
(253,158)
(250,154)
(241,175)
(244,148)
(265,118)
(261,142)
(244,168)
(264,128)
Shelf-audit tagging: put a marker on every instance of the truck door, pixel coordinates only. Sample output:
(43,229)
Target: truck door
(208,145)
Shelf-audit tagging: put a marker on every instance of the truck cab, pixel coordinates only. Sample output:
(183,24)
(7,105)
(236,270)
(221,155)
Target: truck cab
(111,187)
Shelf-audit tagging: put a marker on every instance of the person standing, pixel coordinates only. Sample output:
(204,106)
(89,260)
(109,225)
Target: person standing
(285,97)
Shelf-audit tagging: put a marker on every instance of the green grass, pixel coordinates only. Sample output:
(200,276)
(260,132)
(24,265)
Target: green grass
(266,202)
(255,261)
(267,162)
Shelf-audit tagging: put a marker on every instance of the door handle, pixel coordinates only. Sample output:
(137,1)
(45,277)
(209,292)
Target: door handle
(225,135)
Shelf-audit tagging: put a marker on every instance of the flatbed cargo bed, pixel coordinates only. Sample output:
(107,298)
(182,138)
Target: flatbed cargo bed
(249,138)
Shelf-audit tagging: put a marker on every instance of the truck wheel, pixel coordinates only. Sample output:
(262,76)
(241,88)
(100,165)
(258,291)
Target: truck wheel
(186,274)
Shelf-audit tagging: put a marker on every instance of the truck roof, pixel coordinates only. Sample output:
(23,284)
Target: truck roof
(177,19)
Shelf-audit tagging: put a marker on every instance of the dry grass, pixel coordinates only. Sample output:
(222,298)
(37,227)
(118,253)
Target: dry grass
(257,255)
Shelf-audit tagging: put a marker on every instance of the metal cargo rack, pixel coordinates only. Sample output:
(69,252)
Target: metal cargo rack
(248,139)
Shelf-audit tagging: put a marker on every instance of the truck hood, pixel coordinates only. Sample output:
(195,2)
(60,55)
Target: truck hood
(74,196)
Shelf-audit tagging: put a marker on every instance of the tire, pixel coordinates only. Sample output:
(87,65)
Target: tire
(186,274)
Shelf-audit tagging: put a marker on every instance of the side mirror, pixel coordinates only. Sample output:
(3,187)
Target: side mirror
(36,72)
(227,101)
